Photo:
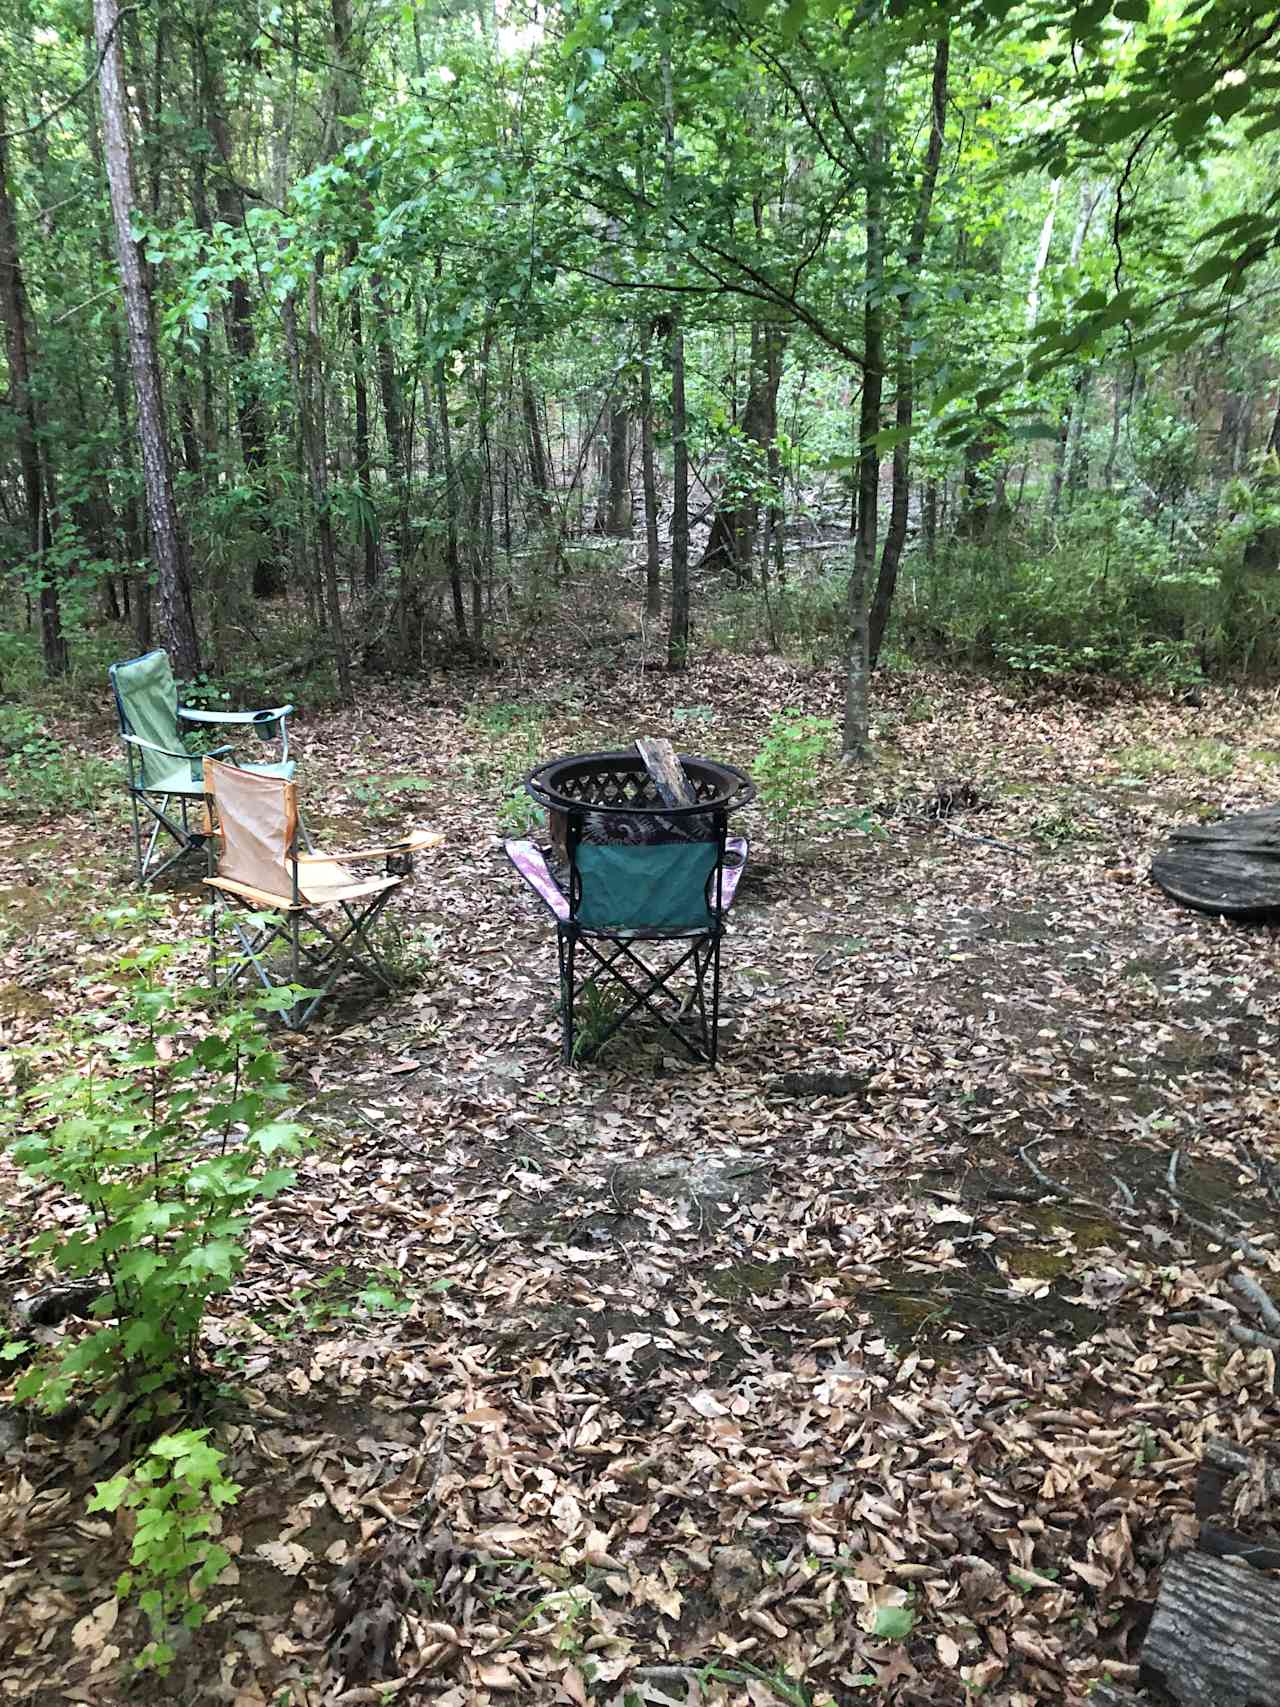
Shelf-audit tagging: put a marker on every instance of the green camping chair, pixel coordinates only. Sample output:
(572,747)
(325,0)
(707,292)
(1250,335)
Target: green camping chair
(164,778)
(670,892)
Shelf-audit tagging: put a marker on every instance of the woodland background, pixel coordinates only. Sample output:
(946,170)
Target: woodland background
(396,315)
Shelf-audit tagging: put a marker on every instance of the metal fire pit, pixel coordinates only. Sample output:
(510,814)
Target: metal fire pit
(619,801)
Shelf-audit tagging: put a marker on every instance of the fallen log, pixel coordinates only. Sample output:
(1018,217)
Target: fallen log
(1221,1462)
(1214,1640)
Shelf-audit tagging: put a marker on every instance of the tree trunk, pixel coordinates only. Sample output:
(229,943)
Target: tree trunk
(1042,255)
(678,630)
(452,563)
(732,541)
(173,582)
(895,538)
(1090,196)
(36,476)
(315,441)
(251,425)
(617,516)
(1263,549)
(368,529)
(389,392)
(1214,1640)
(538,475)
(856,742)
(653,559)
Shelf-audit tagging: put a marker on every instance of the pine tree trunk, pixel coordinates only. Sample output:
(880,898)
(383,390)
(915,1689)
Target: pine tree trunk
(173,583)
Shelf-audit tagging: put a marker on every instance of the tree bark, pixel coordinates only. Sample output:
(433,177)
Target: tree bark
(538,475)
(649,477)
(678,629)
(617,517)
(368,529)
(36,475)
(173,581)
(251,424)
(1215,1638)
(856,742)
(315,439)
(896,536)
(451,558)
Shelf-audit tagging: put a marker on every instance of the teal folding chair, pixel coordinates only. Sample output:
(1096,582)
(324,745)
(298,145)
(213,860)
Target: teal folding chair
(671,894)
(165,779)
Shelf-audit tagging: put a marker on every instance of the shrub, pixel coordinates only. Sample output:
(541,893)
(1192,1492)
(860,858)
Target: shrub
(163,1151)
(176,1492)
(38,774)
(787,773)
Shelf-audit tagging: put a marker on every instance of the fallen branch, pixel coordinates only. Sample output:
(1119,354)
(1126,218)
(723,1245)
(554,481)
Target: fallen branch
(991,842)
(1248,1288)
(1232,1241)
(1056,1186)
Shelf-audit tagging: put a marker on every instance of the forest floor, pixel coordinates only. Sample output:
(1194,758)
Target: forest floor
(873,1366)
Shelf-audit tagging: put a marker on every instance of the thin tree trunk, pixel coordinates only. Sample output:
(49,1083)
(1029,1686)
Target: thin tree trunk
(452,563)
(389,392)
(368,528)
(678,630)
(315,440)
(538,474)
(37,477)
(1042,255)
(856,741)
(250,413)
(617,517)
(1090,196)
(173,582)
(649,477)
(896,535)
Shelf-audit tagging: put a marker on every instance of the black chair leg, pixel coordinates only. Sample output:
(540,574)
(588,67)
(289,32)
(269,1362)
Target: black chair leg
(567,944)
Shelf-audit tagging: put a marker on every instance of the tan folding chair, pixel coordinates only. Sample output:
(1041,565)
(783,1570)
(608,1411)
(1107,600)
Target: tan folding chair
(253,830)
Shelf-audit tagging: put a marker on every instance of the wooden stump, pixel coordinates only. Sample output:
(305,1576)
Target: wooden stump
(1231,868)
(1215,1638)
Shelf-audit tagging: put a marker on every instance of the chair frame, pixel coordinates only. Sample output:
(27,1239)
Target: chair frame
(158,801)
(613,952)
(274,918)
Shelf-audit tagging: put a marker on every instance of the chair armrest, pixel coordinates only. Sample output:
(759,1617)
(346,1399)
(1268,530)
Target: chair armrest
(416,843)
(275,715)
(169,752)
